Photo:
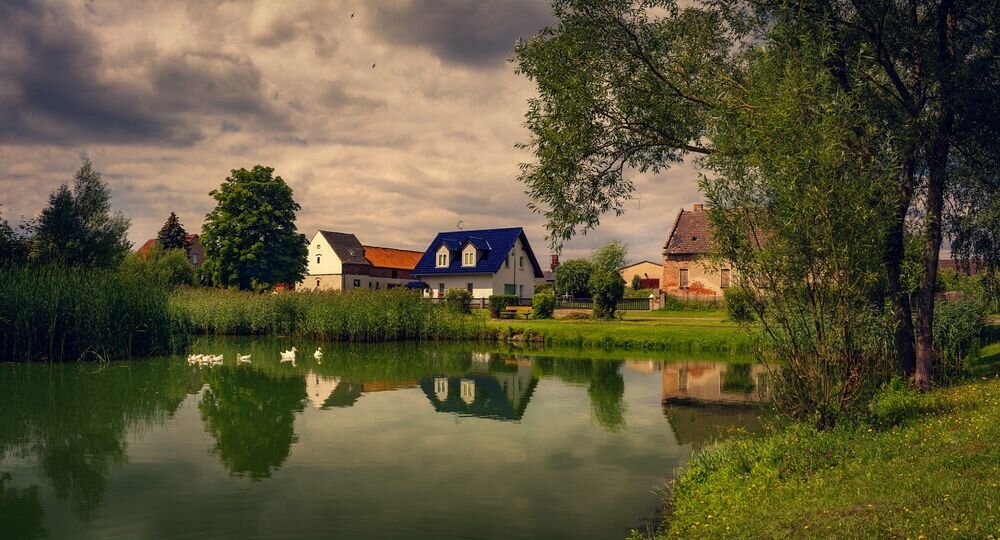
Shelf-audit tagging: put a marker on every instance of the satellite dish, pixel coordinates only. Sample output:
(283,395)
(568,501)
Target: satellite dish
(461,224)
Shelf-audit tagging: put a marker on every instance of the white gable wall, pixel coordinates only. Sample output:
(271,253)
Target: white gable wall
(328,263)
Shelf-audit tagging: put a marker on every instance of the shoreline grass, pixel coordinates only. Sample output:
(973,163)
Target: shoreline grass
(923,466)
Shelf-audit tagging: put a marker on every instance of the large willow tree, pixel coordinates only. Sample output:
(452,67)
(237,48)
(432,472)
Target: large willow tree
(911,87)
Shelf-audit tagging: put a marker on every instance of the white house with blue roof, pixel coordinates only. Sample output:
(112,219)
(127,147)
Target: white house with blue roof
(484,262)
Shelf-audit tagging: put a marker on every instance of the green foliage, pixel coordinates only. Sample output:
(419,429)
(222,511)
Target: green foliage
(172,234)
(636,282)
(458,300)
(59,313)
(545,288)
(543,305)
(250,237)
(610,257)
(499,302)
(362,315)
(896,403)
(606,289)
(676,303)
(167,267)
(957,328)
(573,278)
(77,228)
(739,305)
(12,248)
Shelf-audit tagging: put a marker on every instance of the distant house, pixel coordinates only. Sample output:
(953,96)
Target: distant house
(196,251)
(338,261)
(686,270)
(649,273)
(484,262)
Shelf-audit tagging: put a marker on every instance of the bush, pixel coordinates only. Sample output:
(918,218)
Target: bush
(545,288)
(458,300)
(606,289)
(500,302)
(957,328)
(896,403)
(636,282)
(739,304)
(573,278)
(673,303)
(170,267)
(543,305)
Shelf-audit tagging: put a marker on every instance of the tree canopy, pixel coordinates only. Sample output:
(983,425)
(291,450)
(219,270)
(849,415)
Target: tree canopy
(610,257)
(78,228)
(172,235)
(912,88)
(250,237)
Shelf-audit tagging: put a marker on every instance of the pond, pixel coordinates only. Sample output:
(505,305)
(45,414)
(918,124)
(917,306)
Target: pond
(371,441)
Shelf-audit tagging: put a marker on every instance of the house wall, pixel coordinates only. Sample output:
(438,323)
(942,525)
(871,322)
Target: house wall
(645,270)
(329,262)
(482,284)
(485,285)
(703,279)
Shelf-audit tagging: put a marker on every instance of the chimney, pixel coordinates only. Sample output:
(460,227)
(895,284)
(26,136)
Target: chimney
(555,263)
(698,207)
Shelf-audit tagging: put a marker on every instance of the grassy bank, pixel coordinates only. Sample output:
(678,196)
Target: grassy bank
(923,466)
(361,316)
(688,331)
(54,314)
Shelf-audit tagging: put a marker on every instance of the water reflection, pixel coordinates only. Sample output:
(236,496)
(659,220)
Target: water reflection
(548,438)
(251,415)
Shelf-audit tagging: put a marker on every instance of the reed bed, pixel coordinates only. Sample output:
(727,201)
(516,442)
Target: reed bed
(358,316)
(56,314)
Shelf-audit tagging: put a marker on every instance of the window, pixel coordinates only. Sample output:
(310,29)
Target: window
(724,282)
(317,259)
(357,282)
(520,291)
(440,290)
(520,262)
(395,274)
(682,281)
(317,283)
(509,288)
(442,259)
(468,287)
(469,258)
(369,284)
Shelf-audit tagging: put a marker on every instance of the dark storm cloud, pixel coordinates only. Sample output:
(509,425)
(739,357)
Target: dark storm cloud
(468,32)
(54,89)
(51,92)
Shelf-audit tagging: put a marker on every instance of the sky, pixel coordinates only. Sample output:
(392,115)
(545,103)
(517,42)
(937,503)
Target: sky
(390,120)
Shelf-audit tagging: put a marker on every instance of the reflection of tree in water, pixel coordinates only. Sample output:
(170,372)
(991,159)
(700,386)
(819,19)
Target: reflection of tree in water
(20,511)
(738,378)
(605,385)
(607,393)
(74,418)
(252,416)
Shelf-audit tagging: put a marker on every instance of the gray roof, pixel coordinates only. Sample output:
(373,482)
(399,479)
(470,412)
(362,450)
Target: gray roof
(347,247)
(692,234)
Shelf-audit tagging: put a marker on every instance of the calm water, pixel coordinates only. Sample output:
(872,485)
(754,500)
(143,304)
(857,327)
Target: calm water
(377,441)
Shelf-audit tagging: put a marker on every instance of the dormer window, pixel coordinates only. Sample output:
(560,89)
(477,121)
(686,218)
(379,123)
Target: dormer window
(469,255)
(442,257)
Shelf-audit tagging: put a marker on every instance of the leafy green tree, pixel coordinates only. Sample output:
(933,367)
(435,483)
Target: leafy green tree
(636,282)
(172,235)
(12,248)
(607,289)
(573,277)
(250,238)
(611,257)
(638,86)
(78,228)
(170,267)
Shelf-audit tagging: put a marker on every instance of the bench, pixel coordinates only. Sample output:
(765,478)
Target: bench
(512,312)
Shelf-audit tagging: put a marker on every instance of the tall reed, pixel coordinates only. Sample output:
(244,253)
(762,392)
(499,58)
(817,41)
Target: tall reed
(57,313)
(358,316)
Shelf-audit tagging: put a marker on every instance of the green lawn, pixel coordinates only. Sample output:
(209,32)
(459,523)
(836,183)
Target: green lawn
(936,475)
(682,330)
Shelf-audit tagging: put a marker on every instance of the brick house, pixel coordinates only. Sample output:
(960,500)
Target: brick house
(686,268)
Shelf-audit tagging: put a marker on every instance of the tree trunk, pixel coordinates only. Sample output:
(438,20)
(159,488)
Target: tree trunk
(894,255)
(937,178)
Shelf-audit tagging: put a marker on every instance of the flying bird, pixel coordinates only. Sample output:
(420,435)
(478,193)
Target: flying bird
(352,15)
(373,66)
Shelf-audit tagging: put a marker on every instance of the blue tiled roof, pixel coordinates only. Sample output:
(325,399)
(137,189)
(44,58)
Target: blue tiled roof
(494,245)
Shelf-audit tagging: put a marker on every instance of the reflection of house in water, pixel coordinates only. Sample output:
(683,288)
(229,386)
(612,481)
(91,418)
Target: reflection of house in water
(700,425)
(490,389)
(714,383)
(325,392)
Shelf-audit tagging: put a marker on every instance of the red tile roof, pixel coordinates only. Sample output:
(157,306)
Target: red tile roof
(692,234)
(148,244)
(403,259)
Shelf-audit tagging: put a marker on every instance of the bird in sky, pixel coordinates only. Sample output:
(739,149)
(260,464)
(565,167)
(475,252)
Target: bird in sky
(373,66)
(352,15)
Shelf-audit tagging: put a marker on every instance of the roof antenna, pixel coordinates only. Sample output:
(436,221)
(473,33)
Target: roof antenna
(638,198)
(461,224)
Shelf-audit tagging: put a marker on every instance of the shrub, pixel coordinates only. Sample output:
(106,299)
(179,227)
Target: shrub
(499,302)
(739,304)
(573,278)
(545,288)
(636,282)
(170,267)
(957,328)
(543,305)
(458,300)
(896,403)
(606,288)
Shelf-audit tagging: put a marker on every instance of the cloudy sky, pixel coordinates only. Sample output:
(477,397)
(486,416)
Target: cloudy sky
(166,97)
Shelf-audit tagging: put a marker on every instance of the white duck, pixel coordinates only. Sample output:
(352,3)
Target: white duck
(318,355)
(243,358)
(289,355)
